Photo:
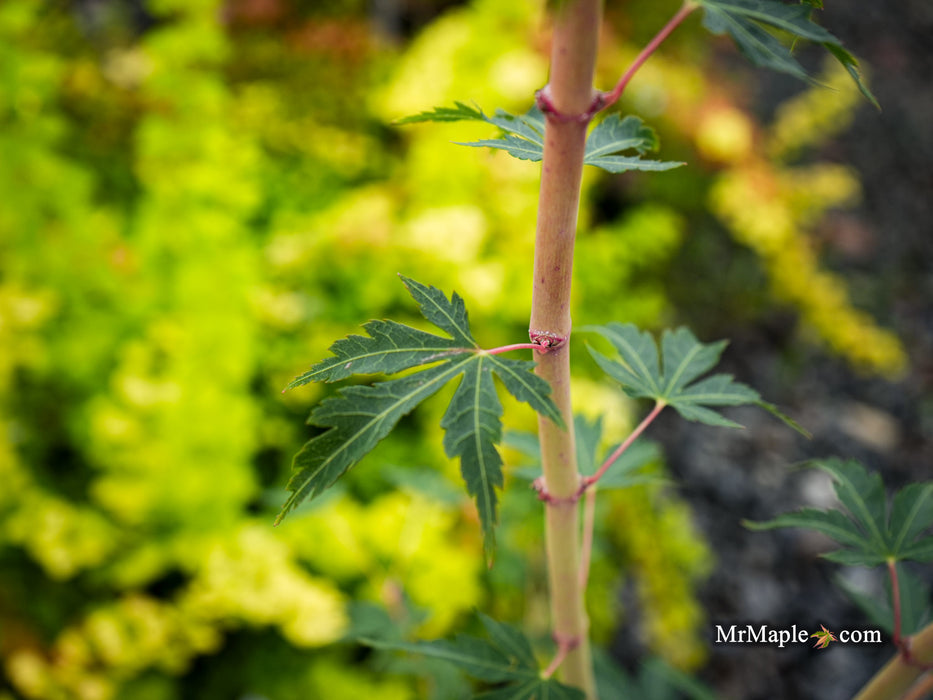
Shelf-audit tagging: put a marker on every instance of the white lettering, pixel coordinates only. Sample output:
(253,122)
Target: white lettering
(722,638)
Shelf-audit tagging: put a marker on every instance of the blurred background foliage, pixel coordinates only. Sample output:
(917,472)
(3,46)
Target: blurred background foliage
(200,196)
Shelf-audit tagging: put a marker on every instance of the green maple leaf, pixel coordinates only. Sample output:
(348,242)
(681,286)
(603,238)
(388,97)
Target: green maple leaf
(506,657)
(615,135)
(671,378)
(523,137)
(749,23)
(823,638)
(359,417)
(868,531)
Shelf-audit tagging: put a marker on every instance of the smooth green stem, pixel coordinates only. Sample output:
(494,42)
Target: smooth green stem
(570,95)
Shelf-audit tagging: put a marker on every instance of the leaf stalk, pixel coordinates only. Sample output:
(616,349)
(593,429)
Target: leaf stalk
(648,420)
(613,95)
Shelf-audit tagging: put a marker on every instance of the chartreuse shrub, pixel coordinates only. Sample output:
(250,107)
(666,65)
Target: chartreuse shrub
(136,554)
(670,373)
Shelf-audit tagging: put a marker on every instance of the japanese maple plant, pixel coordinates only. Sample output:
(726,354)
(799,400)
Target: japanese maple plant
(671,374)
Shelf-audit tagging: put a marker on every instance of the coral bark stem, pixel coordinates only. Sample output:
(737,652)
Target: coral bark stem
(570,92)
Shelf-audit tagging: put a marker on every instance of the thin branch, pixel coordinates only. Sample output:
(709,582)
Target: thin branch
(896,606)
(610,97)
(590,480)
(902,643)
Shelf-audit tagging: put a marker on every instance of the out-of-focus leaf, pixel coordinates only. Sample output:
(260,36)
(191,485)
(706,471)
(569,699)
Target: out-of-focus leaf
(506,657)
(916,611)
(747,22)
(869,533)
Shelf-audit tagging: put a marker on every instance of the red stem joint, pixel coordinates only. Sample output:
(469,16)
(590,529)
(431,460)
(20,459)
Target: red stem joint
(546,105)
(546,340)
(545,496)
(566,643)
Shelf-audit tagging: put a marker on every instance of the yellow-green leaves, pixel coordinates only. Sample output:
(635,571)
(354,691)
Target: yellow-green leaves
(868,531)
(506,657)
(359,417)
(747,22)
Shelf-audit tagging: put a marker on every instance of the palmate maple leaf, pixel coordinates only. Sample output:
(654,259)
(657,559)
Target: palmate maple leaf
(823,638)
(358,417)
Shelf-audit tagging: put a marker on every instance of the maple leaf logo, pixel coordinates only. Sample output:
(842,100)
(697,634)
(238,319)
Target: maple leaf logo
(823,638)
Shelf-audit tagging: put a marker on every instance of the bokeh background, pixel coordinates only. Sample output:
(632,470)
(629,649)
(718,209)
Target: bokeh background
(197,197)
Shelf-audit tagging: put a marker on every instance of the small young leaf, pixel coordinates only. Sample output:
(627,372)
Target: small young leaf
(614,135)
(684,359)
(745,22)
(523,135)
(868,532)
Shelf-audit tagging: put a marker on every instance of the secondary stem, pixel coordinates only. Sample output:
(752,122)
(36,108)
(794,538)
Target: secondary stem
(516,346)
(589,526)
(652,46)
(658,407)
(896,605)
(570,92)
